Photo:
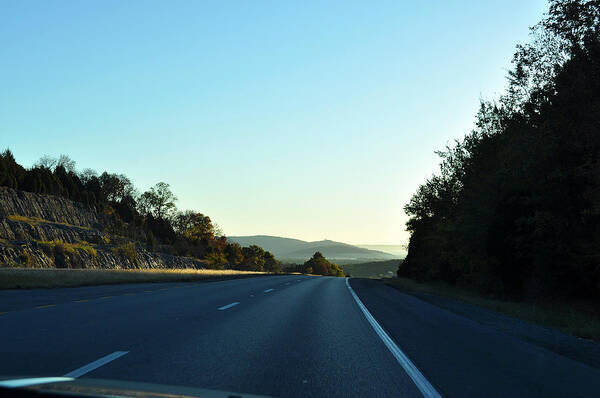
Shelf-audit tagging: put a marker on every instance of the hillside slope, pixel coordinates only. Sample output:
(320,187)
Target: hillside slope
(274,244)
(299,250)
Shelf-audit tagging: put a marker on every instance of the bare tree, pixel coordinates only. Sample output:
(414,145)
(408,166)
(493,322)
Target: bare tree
(87,174)
(67,163)
(47,162)
(218,231)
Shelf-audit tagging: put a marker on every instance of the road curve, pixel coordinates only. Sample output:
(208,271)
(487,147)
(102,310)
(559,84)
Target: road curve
(281,336)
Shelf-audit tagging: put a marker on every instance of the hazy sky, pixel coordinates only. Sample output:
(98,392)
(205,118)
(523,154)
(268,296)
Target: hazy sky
(306,119)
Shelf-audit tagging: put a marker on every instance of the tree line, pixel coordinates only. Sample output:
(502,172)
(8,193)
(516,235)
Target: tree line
(317,265)
(515,207)
(151,218)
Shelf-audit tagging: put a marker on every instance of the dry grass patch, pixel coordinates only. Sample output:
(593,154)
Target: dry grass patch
(16,278)
(28,220)
(38,220)
(57,245)
(577,318)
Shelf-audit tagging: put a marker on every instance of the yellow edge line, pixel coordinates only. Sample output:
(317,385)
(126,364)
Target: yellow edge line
(45,306)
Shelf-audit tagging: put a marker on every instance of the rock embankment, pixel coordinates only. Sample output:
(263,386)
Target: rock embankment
(39,256)
(48,207)
(28,230)
(45,231)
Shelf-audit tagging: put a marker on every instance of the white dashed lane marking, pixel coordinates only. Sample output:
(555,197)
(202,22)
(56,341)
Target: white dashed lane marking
(228,306)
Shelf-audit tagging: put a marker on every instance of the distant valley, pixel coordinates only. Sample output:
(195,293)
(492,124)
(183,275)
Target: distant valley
(397,250)
(296,250)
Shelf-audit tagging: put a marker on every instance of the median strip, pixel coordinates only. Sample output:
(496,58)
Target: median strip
(228,306)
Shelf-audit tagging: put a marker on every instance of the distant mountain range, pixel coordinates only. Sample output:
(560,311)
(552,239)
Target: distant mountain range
(296,250)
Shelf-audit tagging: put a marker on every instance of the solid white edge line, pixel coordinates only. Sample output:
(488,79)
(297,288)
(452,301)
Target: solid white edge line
(96,364)
(33,381)
(415,374)
(268,290)
(228,306)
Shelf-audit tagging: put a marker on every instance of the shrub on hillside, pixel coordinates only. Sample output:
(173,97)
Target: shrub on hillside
(128,251)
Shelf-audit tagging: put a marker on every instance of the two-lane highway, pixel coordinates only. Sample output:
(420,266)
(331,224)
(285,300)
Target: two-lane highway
(282,336)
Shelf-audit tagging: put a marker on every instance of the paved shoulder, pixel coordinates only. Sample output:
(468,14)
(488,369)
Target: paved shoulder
(462,357)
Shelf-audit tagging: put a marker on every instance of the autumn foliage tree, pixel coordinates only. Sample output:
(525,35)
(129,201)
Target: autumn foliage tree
(151,219)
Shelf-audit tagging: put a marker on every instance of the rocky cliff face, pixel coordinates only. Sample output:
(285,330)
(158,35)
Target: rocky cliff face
(45,231)
(47,207)
(39,256)
(18,228)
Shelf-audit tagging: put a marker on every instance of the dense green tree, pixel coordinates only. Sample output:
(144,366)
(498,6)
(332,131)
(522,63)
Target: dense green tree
(254,258)
(14,173)
(194,225)
(126,208)
(158,200)
(116,186)
(319,265)
(234,254)
(271,263)
(216,259)
(513,209)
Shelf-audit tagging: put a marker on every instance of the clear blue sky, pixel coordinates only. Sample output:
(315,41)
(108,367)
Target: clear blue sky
(307,119)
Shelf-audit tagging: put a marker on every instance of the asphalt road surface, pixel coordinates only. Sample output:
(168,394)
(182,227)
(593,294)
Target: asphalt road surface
(287,336)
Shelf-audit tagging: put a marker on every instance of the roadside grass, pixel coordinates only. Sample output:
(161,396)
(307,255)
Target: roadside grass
(27,278)
(577,318)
